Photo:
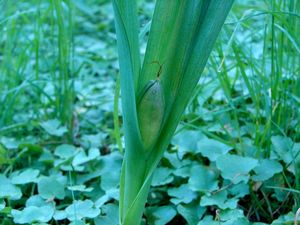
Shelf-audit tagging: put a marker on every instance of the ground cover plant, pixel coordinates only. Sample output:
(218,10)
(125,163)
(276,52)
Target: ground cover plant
(234,158)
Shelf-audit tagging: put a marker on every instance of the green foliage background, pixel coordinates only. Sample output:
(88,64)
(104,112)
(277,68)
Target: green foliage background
(235,156)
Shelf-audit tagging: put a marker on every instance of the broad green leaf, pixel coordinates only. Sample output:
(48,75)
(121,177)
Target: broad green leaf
(238,221)
(110,180)
(25,177)
(191,212)
(183,172)
(239,190)
(208,220)
(60,215)
(235,168)
(9,190)
(65,151)
(50,187)
(212,149)
(53,127)
(109,195)
(9,143)
(203,179)
(162,176)
(266,169)
(231,214)
(33,214)
(81,157)
(109,215)
(219,199)
(81,209)
(94,141)
(160,215)
(284,149)
(182,194)
(187,141)
(285,219)
(38,201)
(78,222)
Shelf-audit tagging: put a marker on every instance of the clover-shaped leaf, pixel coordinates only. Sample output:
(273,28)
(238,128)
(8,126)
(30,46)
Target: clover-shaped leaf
(25,177)
(50,187)
(53,127)
(9,190)
(236,168)
(81,209)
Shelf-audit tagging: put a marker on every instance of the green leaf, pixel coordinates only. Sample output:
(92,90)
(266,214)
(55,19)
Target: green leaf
(109,215)
(37,200)
(231,214)
(81,209)
(187,141)
(8,190)
(238,221)
(212,149)
(78,222)
(208,220)
(162,176)
(285,219)
(49,187)
(284,149)
(266,169)
(25,177)
(111,180)
(219,199)
(9,143)
(65,151)
(236,168)
(33,214)
(109,195)
(203,179)
(81,157)
(60,215)
(191,212)
(182,194)
(80,188)
(239,190)
(53,127)
(94,141)
(160,215)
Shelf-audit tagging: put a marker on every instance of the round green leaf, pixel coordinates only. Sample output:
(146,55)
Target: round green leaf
(33,214)
(181,194)
(203,179)
(266,169)
(25,177)
(236,168)
(8,190)
(81,209)
(49,187)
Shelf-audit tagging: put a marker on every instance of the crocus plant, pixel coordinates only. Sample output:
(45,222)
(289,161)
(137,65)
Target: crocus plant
(156,90)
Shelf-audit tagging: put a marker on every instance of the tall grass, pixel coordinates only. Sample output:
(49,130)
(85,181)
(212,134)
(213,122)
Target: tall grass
(30,70)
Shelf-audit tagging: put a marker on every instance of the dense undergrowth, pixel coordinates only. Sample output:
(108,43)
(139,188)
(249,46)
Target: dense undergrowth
(235,158)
